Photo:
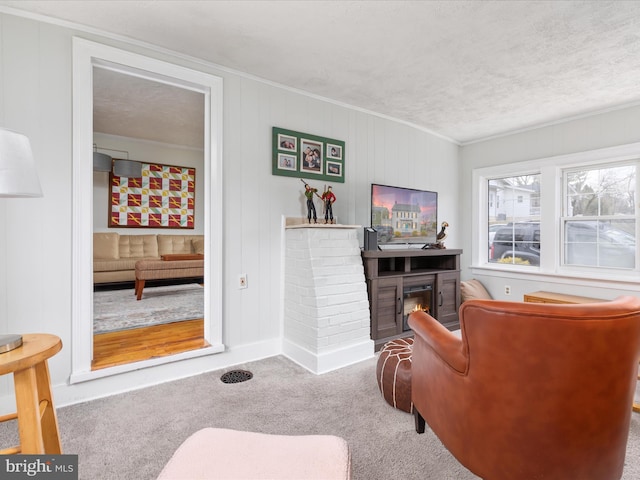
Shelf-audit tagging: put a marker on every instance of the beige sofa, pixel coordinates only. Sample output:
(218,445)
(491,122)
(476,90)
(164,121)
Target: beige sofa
(115,255)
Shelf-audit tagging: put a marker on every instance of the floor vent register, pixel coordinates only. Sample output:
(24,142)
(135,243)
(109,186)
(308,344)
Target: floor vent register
(236,376)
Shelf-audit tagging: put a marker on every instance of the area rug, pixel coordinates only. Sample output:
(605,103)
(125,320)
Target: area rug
(119,310)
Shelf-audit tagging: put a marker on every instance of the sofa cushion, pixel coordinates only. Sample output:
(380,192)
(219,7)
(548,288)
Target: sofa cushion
(175,244)
(138,246)
(198,245)
(105,246)
(472,290)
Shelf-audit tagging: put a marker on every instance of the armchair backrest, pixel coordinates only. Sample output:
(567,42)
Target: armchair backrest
(531,390)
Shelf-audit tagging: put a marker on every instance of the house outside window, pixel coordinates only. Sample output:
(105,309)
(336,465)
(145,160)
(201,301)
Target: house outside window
(514,220)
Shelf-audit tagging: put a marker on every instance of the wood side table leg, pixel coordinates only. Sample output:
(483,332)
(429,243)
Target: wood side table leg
(29,426)
(139,288)
(49,422)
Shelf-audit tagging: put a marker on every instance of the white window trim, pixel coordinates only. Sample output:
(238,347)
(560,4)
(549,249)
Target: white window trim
(550,170)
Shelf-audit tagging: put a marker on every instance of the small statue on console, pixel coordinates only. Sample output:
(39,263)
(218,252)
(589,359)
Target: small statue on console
(309,191)
(328,197)
(442,234)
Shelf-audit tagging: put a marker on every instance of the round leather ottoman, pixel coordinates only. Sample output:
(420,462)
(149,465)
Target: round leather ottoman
(394,373)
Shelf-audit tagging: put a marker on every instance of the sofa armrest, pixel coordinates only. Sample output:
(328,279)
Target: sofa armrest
(449,347)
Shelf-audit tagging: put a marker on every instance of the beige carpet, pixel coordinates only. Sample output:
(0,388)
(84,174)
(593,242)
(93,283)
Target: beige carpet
(132,436)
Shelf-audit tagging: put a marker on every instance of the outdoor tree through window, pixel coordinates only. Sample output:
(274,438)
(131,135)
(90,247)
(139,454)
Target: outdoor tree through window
(599,217)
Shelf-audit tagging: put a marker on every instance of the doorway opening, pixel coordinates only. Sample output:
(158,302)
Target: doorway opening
(109,68)
(145,200)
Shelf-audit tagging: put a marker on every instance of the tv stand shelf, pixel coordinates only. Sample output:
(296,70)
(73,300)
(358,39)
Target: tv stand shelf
(380,263)
(388,272)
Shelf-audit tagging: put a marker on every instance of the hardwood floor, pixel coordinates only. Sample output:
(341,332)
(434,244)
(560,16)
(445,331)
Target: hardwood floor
(127,346)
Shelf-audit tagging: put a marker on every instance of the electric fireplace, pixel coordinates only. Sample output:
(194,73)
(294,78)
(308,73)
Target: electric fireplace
(416,297)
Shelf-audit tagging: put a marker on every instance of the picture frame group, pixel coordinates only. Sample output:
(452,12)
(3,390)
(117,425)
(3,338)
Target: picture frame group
(298,154)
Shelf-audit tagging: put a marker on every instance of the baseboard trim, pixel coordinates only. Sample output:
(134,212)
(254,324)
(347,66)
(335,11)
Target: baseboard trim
(149,375)
(325,362)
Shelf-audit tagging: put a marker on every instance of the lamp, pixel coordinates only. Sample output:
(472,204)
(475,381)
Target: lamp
(127,168)
(18,178)
(121,168)
(101,162)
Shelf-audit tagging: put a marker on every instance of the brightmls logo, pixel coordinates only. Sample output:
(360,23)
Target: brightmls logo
(39,467)
(30,468)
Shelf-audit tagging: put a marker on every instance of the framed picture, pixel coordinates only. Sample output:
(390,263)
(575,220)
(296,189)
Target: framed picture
(334,169)
(304,155)
(311,159)
(164,197)
(334,152)
(288,143)
(287,162)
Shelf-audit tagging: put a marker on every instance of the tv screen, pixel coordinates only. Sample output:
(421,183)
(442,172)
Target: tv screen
(404,215)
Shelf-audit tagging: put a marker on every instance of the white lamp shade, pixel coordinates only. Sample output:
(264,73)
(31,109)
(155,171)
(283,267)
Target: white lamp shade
(18,176)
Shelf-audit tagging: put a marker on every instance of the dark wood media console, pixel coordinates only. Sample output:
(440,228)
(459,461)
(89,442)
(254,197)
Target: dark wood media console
(401,280)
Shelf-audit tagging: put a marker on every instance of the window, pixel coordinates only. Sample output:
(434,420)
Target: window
(514,221)
(599,216)
(578,217)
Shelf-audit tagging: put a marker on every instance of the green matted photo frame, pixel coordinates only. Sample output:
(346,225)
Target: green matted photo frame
(302,155)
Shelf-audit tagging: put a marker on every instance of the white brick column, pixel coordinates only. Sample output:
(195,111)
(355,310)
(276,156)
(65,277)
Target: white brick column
(326,309)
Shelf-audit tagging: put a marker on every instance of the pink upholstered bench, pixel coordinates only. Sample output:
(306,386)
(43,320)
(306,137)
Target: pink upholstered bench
(216,453)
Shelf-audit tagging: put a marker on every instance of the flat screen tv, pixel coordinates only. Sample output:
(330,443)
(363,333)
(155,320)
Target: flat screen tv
(404,215)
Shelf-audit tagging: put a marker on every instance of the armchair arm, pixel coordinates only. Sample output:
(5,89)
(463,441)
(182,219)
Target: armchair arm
(445,344)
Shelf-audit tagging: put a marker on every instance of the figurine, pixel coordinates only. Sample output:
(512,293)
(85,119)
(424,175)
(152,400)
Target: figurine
(441,236)
(328,197)
(309,191)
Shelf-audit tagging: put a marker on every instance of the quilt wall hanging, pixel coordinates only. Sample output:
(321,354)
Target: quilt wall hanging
(297,154)
(164,197)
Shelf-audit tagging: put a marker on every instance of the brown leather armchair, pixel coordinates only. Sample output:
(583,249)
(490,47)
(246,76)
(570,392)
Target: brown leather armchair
(530,391)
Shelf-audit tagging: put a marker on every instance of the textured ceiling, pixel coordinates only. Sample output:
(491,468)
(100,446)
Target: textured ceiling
(130,106)
(466,70)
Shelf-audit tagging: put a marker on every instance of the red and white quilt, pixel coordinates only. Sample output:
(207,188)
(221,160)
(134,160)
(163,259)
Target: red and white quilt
(163,197)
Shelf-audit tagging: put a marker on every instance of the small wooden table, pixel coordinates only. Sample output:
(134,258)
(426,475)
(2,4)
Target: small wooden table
(36,414)
(560,298)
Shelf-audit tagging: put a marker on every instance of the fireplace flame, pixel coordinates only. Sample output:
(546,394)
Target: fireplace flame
(419,307)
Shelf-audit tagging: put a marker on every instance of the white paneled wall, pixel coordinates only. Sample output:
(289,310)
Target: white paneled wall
(35,244)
